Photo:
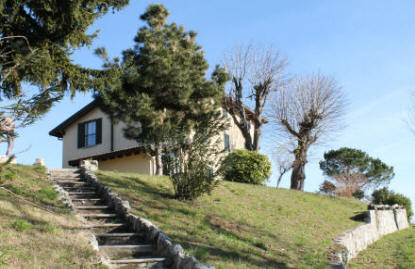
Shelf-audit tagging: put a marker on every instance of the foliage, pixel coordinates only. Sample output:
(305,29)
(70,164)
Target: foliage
(237,222)
(196,157)
(328,188)
(388,197)
(359,194)
(161,90)
(37,39)
(352,169)
(246,166)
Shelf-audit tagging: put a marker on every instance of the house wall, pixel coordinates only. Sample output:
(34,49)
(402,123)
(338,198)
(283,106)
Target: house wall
(236,139)
(71,151)
(70,139)
(140,163)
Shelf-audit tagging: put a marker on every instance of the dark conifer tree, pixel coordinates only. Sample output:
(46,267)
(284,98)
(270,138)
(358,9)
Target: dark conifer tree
(37,39)
(162,92)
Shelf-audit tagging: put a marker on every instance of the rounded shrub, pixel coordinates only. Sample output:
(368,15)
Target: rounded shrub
(387,197)
(246,166)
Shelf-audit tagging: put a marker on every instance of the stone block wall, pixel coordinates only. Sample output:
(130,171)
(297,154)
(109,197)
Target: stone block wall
(379,221)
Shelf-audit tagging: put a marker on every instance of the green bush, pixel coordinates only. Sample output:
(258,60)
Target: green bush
(359,194)
(387,197)
(246,166)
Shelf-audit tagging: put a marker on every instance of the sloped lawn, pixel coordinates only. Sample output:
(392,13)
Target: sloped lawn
(240,225)
(31,237)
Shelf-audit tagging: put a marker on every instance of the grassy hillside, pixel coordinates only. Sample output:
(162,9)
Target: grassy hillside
(393,251)
(31,237)
(239,225)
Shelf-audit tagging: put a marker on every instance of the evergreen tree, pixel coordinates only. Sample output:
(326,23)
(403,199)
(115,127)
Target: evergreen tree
(162,93)
(352,170)
(37,39)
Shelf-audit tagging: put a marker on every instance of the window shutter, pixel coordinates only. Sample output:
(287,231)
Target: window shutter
(81,135)
(99,131)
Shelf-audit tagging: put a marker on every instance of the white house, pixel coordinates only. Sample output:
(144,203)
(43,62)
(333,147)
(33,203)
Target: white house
(90,134)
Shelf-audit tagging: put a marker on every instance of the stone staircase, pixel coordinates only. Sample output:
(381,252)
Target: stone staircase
(117,242)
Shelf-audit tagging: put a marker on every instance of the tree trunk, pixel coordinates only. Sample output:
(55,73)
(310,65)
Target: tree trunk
(298,174)
(279,180)
(10,145)
(159,161)
(257,134)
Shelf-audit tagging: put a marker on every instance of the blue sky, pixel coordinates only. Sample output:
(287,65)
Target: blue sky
(368,46)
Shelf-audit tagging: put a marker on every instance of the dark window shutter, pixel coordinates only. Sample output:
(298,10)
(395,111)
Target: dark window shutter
(99,131)
(81,135)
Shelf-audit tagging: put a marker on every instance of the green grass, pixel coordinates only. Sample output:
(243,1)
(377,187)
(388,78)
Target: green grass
(34,238)
(240,225)
(396,250)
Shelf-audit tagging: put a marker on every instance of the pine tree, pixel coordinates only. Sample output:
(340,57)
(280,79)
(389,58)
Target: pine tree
(37,39)
(162,93)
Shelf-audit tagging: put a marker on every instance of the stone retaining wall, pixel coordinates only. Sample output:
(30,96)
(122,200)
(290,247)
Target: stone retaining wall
(380,220)
(165,247)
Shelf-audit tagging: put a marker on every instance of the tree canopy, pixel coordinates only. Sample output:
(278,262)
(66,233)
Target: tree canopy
(162,91)
(355,169)
(37,39)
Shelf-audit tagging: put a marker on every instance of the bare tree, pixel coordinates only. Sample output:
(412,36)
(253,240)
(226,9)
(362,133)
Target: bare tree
(284,160)
(255,73)
(309,108)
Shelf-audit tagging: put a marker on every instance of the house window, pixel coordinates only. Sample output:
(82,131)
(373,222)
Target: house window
(227,144)
(89,133)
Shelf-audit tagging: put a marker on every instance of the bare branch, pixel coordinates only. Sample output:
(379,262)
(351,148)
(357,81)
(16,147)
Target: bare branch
(306,110)
(255,73)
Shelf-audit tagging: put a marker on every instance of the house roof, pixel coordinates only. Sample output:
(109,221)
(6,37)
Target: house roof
(59,131)
(109,155)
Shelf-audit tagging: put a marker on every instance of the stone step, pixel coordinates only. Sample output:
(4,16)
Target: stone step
(102,228)
(82,193)
(80,201)
(79,189)
(72,183)
(92,207)
(123,251)
(99,215)
(119,238)
(149,262)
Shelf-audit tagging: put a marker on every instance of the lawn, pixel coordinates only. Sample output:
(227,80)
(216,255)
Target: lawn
(39,235)
(240,225)
(396,250)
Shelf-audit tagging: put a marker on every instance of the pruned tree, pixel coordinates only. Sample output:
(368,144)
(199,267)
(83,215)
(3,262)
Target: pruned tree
(352,170)
(306,110)
(254,74)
